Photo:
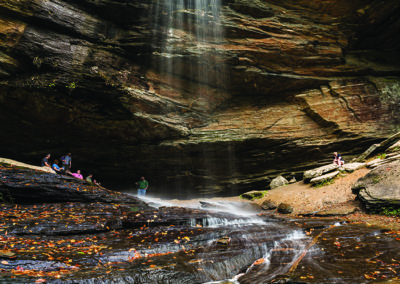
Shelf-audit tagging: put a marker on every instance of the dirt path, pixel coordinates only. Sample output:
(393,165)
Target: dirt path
(306,199)
(335,199)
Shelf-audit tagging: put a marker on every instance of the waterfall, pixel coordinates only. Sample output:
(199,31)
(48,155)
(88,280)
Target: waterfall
(188,34)
(188,54)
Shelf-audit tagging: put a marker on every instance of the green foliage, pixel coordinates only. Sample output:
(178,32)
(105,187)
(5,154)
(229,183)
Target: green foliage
(253,195)
(390,211)
(51,85)
(324,183)
(382,156)
(71,86)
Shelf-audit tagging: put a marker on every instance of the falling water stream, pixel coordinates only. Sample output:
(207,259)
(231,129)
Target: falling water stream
(190,34)
(188,46)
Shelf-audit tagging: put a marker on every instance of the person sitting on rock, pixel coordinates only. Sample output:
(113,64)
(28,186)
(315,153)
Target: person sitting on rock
(56,168)
(337,159)
(45,161)
(89,178)
(77,174)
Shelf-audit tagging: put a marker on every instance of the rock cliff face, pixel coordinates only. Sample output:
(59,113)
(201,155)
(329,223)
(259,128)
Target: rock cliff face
(199,96)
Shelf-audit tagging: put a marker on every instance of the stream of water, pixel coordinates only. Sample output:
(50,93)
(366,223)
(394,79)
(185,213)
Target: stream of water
(237,245)
(196,241)
(234,237)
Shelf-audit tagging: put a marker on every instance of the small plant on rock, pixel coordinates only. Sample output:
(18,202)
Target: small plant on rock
(71,85)
(390,211)
(324,183)
(382,156)
(376,180)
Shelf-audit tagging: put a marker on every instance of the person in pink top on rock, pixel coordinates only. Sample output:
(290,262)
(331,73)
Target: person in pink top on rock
(78,174)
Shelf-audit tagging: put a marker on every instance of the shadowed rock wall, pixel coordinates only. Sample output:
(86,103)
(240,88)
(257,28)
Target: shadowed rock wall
(136,88)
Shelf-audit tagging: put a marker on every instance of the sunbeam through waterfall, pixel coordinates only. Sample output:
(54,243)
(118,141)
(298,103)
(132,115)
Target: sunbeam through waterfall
(189,46)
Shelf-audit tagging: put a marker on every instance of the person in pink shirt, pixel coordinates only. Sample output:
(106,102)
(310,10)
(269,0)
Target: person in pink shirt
(77,174)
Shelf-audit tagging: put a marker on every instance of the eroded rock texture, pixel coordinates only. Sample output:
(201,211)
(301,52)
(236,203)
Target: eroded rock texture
(214,97)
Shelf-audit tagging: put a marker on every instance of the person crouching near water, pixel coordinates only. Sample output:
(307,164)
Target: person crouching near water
(337,159)
(142,187)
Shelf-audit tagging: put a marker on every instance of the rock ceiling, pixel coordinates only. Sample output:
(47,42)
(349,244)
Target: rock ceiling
(214,98)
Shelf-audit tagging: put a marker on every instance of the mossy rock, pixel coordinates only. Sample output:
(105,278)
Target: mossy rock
(285,208)
(252,195)
(268,205)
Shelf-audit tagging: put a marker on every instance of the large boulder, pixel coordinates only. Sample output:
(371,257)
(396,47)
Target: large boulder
(277,182)
(380,187)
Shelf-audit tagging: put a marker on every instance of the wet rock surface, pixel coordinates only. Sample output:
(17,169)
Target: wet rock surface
(342,252)
(152,246)
(22,185)
(123,242)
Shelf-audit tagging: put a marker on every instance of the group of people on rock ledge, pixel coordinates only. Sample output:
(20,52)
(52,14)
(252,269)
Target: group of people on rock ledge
(66,165)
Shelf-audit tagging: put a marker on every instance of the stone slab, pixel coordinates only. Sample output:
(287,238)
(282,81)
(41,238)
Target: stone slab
(310,174)
(324,177)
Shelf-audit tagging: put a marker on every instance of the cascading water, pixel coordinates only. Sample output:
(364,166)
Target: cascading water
(191,35)
(188,47)
(230,243)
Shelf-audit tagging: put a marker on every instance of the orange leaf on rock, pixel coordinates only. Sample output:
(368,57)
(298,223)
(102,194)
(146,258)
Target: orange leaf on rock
(259,261)
(6,253)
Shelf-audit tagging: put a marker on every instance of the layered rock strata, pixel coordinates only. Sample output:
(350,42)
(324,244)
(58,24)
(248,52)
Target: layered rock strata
(203,99)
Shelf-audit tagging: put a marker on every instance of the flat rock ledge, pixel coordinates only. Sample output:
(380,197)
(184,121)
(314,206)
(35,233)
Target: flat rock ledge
(325,177)
(328,172)
(14,163)
(31,186)
(310,174)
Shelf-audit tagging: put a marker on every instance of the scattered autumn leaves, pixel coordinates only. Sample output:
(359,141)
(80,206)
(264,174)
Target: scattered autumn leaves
(41,233)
